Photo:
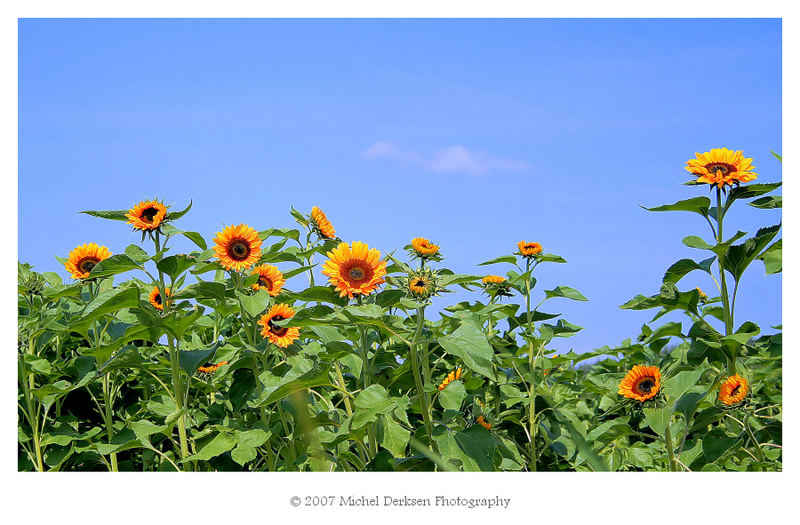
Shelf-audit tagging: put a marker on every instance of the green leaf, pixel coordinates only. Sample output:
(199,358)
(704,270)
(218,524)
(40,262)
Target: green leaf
(369,403)
(453,395)
(242,387)
(773,257)
(658,418)
(175,215)
(203,290)
(469,343)
(246,443)
(502,259)
(697,205)
(196,238)
(114,215)
(567,292)
(392,436)
(767,203)
(751,190)
(316,376)
(477,444)
(109,301)
(175,265)
(680,383)
(137,254)
(325,294)
(678,270)
(113,265)
(715,443)
(740,256)
(255,304)
(220,444)
(190,360)
(693,241)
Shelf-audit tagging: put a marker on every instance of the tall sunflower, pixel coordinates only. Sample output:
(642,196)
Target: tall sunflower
(155,297)
(85,257)
(482,422)
(269,279)
(278,335)
(322,225)
(721,166)
(641,383)
(147,215)
(733,390)
(237,247)
(356,271)
(529,249)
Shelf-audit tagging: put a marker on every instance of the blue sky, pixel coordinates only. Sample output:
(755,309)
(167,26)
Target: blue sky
(473,133)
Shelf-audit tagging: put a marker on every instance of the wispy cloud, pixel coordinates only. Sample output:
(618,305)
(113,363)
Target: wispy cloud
(453,159)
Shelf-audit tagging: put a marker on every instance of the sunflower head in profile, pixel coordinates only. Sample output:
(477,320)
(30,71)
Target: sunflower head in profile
(281,336)
(422,248)
(721,167)
(156,299)
(85,257)
(354,271)
(482,422)
(147,215)
(529,249)
(321,225)
(733,390)
(496,286)
(210,369)
(452,376)
(269,279)
(237,247)
(641,383)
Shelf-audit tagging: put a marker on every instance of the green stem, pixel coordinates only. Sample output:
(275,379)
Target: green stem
(108,416)
(415,369)
(532,366)
(669,445)
(746,424)
(726,307)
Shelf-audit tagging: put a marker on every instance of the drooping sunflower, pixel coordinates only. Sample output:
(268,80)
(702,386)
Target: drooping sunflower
(237,247)
(155,297)
(281,336)
(641,383)
(485,424)
(529,249)
(321,224)
(269,279)
(493,279)
(721,166)
(356,271)
(702,296)
(496,286)
(424,249)
(147,215)
(452,376)
(85,257)
(733,390)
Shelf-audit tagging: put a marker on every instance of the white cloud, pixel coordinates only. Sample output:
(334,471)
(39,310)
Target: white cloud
(453,159)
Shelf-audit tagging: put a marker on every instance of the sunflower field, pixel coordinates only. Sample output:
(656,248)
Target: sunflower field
(219,360)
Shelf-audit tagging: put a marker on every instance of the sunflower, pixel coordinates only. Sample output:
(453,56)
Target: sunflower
(721,166)
(238,247)
(420,285)
(210,369)
(496,286)
(485,424)
(702,296)
(147,215)
(452,376)
(423,248)
(356,271)
(155,297)
(322,225)
(641,383)
(529,249)
(85,257)
(493,279)
(279,335)
(733,390)
(269,279)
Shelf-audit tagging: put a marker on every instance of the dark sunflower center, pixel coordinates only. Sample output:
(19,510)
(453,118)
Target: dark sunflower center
(735,390)
(265,282)
(645,385)
(157,298)
(356,274)
(720,168)
(420,283)
(86,265)
(275,329)
(239,250)
(149,214)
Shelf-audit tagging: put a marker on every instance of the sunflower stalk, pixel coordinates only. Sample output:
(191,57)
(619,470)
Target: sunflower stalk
(415,368)
(726,306)
(532,366)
